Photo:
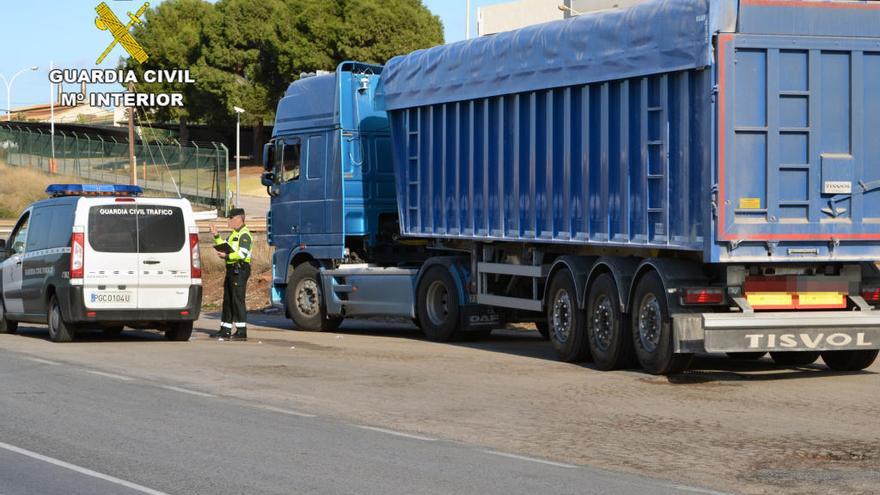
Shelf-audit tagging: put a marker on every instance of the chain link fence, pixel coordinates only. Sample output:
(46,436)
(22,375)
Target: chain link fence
(167,168)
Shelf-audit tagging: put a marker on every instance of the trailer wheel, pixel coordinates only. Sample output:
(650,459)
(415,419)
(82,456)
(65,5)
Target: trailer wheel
(652,329)
(607,329)
(6,326)
(305,300)
(566,325)
(849,360)
(794,358)
(746,356)
(59,330)
(543,328)
(438,305)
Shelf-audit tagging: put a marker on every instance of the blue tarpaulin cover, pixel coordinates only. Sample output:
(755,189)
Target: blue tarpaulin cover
(653,37)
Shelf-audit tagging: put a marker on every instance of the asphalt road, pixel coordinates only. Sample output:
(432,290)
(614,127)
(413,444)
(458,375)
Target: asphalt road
(69,429)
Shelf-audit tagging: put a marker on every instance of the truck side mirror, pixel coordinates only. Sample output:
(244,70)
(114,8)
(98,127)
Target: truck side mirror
(268,157)
(267,179)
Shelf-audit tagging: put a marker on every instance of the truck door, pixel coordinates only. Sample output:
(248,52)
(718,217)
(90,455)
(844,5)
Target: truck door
(285,206)
(13,266)
(313,196)
(798,157)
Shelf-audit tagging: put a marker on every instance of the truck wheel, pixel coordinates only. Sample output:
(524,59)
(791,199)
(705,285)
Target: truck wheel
(746,356)
(607,329)
(179,332)
(6,326)
(305,300)
(849,360)
(794,358)
(59,330)
(652,329)
(438,305)
(543,328)
(566,325)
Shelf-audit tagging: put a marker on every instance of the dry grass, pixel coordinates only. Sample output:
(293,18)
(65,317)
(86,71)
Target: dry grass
(20,187)
(214,269)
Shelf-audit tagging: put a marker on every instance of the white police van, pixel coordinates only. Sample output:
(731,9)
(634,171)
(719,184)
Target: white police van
(102,257)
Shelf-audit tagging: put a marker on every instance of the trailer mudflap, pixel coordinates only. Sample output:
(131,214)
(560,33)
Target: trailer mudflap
(477,317)
(777,331)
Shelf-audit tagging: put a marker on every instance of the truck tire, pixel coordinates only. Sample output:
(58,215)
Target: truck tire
(607,328)
(59,330)
(179,332)
(746,356)
(6,326)
(566,323)
(849,360)
(305,300)
(544,329)
(652,329)
(795,358)
(438,305)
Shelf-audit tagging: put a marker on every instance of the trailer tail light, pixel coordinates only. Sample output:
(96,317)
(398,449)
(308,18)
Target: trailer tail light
(871,295)
(194,256)
(77,255)
(703,296)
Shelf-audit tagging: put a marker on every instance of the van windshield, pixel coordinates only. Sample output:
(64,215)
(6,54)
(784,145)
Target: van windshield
(136,228)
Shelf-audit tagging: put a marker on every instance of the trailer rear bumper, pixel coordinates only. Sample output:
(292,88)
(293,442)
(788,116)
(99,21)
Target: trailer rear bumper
(783,331)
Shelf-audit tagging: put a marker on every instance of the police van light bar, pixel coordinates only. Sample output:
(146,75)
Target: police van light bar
(56,190)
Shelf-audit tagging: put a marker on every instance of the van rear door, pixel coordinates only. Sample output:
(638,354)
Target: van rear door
(110,258)
(163,253)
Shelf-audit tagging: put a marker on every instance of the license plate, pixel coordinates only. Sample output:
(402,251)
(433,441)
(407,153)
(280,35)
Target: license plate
(110,298)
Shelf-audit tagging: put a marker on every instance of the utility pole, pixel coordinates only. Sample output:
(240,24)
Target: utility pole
(238,112)
(131,157)
(53,165)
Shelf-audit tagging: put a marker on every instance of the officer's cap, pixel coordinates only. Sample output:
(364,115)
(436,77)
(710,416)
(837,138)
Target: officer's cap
(236,212)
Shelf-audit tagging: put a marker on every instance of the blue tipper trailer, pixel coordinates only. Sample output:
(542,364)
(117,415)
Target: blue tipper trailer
(647,183)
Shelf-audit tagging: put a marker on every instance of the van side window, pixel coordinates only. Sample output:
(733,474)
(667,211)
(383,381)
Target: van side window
(290,164)
(19,235)
(39,230)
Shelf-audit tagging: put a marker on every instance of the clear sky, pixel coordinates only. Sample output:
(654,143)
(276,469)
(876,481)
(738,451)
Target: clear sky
(33,32)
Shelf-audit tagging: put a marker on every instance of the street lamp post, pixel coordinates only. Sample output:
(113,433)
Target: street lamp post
(238,112)
(9,90)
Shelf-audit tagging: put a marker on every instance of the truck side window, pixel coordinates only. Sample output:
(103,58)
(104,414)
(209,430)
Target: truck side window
(290,160)
(19,236)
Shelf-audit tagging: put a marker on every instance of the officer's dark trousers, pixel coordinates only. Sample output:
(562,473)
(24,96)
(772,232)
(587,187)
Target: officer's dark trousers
(234,292)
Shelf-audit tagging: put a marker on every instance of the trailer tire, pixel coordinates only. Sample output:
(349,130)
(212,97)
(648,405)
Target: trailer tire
(849,360)
(652,329)
(544,329)
(565,321)
(6,326)
(59,330)
(305,300)
(746,356)
(607,328)
(798,358)
(438,305)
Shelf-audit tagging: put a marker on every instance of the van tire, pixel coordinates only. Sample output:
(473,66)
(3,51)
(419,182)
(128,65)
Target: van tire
(438,306)
(652,329)
(849,360)
(798,358)
(565,321)
(608,329)
(59,330)
(179,332)
(307,308)
(6,326)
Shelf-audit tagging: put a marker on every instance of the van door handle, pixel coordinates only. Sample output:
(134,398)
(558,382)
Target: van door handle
(151,262)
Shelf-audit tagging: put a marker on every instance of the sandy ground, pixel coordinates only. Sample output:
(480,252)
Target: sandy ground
(735,426)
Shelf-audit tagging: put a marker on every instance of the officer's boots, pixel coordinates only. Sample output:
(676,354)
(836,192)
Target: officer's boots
(240,334)
(224,333)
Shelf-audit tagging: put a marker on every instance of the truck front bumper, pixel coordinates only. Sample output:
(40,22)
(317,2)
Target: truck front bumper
(778,331)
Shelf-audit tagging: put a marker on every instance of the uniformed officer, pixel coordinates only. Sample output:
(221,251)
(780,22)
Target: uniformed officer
(238,270)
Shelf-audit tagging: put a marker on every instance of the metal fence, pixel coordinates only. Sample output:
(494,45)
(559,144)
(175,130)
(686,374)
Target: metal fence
(197,171)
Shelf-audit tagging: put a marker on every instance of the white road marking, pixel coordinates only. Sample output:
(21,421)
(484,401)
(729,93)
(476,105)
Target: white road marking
(530,459)
(80,470)
(43,361)
(692,489)
(110,375)
(187,391)
(286,411)
(397,433)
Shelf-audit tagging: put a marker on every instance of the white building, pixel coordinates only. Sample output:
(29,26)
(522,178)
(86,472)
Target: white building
(502,17)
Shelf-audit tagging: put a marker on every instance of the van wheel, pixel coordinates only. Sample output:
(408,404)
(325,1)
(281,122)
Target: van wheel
(305,300)
(849,360)
(438,306)
(6,326)
(179,332)
(59,330)
(543,328)
(566,325)
(607,328)
(794,358)
(746,356)
(652,329)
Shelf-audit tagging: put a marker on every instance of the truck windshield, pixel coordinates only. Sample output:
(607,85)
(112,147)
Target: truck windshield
(136,228)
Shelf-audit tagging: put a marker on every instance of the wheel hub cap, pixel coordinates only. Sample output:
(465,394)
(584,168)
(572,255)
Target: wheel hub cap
(307,297)
(438,303)
(603,321)
(650,321)
(562,317)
